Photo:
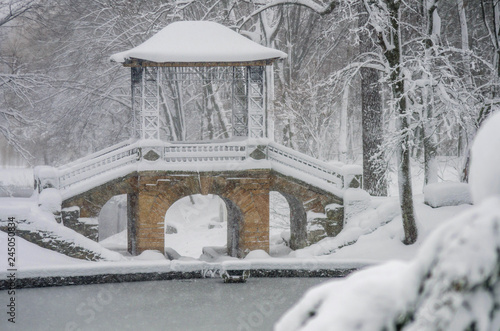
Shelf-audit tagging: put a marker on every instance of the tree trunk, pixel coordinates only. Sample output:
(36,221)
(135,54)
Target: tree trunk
(343,126)
(216,102)
(430,149)
(393,56)
(433,27)
(374,182)
(466,133)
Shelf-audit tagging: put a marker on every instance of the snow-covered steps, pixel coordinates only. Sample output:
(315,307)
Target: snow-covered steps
(40,228)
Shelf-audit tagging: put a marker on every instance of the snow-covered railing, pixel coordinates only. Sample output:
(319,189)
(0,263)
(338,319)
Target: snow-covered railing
(86,169)
(128,153)
(97,154)
(225,152)
(341,177)
(171,155)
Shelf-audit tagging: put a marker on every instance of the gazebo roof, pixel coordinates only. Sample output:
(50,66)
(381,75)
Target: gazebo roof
(197,43)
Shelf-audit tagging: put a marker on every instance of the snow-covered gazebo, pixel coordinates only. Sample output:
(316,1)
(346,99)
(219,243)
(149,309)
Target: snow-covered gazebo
(189,50)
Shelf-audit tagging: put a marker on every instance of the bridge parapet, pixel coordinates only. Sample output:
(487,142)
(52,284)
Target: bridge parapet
(342,177)
(145,155)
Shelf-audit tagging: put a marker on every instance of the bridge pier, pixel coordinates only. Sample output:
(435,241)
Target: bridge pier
(298,222)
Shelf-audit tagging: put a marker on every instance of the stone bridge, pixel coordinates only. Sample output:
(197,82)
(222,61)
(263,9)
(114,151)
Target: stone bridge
(241,173)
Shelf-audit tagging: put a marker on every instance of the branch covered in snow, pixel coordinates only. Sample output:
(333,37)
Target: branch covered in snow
(12,9)
(318,7)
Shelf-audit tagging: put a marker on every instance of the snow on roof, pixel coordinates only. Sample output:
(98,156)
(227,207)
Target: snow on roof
(198,41)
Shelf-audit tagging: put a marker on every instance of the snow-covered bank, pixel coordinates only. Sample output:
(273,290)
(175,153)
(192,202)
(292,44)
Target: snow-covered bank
(454,274)
(138,266)
(33,256)
(40,226)
(377,233)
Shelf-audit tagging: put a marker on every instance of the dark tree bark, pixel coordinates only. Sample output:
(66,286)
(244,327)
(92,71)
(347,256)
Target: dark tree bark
(374,182)
(393,56)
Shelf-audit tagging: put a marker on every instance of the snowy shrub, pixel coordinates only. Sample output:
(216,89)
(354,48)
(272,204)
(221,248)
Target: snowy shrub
(452,284)
(447,194)
(485,160)
(50,200)
(355,202)
(257,254)
(150,255)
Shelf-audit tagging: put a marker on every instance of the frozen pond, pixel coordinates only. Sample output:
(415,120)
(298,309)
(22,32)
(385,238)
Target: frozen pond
(197,304)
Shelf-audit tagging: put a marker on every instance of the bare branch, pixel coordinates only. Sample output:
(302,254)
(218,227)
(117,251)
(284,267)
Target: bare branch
(13,9)
(321,9)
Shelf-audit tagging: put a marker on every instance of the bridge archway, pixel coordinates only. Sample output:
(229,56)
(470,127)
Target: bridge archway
(293,218)
(298,221)
(112,218)
(194,222)
(246,201)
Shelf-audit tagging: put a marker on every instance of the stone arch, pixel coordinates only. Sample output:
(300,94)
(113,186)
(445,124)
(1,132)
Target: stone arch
(112,217)
(157,193)
(245,192)
(234,220)
(298,221)
(91,202)
(301,198)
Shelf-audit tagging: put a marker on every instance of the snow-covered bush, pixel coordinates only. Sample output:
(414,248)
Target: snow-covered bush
(50,201)
(356,201)
(485,160)
(150,255)
(452,284)
(257,254)
(447,194)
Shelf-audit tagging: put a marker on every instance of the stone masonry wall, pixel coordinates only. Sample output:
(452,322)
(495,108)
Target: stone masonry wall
(246,194)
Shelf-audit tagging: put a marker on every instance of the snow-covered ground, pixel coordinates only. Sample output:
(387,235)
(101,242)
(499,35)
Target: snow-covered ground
(16,182)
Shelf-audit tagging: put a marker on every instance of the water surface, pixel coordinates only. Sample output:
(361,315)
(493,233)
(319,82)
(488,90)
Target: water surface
(197,304)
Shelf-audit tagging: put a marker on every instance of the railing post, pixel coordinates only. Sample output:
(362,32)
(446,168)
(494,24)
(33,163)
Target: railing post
(352,176)
(45,177)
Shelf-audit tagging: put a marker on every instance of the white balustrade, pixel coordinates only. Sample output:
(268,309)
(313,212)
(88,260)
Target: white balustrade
(306,164)
(97,154)
(178,153)
(205,153)
(99,165)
